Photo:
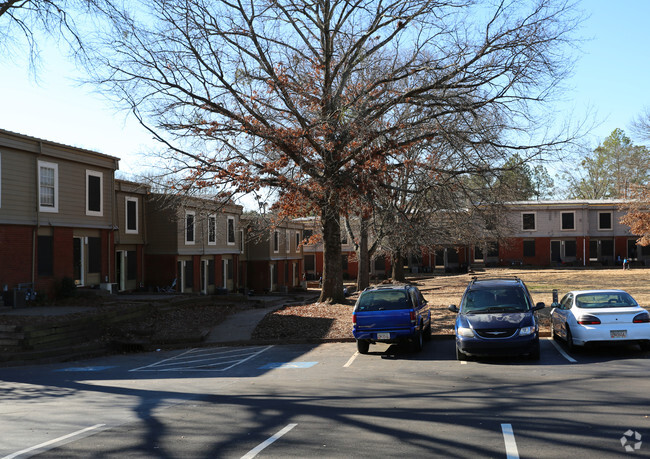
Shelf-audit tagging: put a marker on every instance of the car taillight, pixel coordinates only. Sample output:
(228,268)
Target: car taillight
(412,317)
(588,320)
(354,318)
(642,318)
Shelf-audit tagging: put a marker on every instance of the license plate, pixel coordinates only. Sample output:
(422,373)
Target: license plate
(618,333)
(383,335)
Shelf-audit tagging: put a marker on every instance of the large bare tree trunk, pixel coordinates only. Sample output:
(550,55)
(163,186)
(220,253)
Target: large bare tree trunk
(332,290)
(398,267)
(363,273)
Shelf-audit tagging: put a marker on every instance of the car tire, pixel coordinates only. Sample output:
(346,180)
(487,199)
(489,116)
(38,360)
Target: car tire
(363,346)
(554,334)
(460,355)
(427,332)
(418,341)
(569,340)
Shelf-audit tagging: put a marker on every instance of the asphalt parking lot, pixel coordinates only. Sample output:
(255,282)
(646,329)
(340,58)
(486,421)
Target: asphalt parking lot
(328,401)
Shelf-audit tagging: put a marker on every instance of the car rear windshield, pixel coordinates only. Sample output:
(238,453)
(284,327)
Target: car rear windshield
(605,300)
(495,300)
(383,300)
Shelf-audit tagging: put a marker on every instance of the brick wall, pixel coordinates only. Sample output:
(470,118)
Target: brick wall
(15,255)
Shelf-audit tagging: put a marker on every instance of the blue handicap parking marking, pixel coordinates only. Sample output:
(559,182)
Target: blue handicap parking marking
(274,365)
(100,368)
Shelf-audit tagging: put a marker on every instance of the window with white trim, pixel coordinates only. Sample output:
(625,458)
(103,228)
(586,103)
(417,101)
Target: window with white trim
(528,221)
(568,221)
(276,241)
(231,230)
(605,221)
(48,187)
(190,217)
(287,240)
(94,195)
(131,214)
(298,241)
(212,230)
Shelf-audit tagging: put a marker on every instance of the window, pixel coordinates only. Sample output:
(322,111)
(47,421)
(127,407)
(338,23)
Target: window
(529,248)
(48,187)
(298,241)
(212,230)
(478,253)
(307,234)
(189,228)
(492,249)
(604,220)
(94,202)
(528,222)
(45,255)
(95,254)
(568,221)
(231,230)
(131,214)
(276,241)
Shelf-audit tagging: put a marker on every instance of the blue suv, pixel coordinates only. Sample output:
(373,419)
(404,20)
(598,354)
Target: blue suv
(496,317)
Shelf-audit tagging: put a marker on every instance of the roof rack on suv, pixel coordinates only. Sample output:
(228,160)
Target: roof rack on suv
(496,278)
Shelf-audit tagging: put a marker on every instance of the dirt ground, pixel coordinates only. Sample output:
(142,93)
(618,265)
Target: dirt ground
(334,321)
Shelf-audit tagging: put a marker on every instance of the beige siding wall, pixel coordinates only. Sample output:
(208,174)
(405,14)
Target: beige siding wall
(20,157)
(162,227)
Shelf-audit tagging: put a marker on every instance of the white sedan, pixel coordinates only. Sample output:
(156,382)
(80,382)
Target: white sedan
(589,316)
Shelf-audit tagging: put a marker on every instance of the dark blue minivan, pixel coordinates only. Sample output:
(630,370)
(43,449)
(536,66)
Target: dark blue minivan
(496,317)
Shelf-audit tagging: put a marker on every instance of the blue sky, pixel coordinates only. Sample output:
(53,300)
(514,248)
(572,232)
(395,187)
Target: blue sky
(611,79)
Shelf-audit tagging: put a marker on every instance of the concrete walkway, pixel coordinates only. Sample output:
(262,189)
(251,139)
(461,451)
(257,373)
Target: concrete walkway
(239,327)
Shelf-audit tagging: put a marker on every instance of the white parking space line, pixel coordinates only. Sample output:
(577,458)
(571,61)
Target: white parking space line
(463,362)
(54,441)
(509,439)
(561,351)
(206,359)
(255,451)
(349,362)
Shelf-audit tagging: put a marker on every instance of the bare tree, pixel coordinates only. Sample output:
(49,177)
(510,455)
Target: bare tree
(641,125)
(319,99)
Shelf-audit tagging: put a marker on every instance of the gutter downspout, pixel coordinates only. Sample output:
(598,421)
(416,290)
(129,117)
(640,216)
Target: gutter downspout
(38,216)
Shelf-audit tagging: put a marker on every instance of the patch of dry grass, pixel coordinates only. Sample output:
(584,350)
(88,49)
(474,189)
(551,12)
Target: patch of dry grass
(443,290)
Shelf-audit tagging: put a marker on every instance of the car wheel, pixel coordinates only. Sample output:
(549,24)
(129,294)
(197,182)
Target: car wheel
(569,340)
(418,341)
(554,334)
(363,346)
(460,355)
(427,332)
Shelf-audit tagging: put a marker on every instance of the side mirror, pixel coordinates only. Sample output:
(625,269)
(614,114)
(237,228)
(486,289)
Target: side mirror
(556,305)
(453,308)
(539,306)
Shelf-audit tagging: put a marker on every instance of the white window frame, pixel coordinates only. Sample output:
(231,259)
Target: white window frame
(127,200)
(276,241)
(55,167)
(193,214)
(298,241)
(212,223)
(95,213)
(522,221)
(234,232)
(611,220)
(574,220)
